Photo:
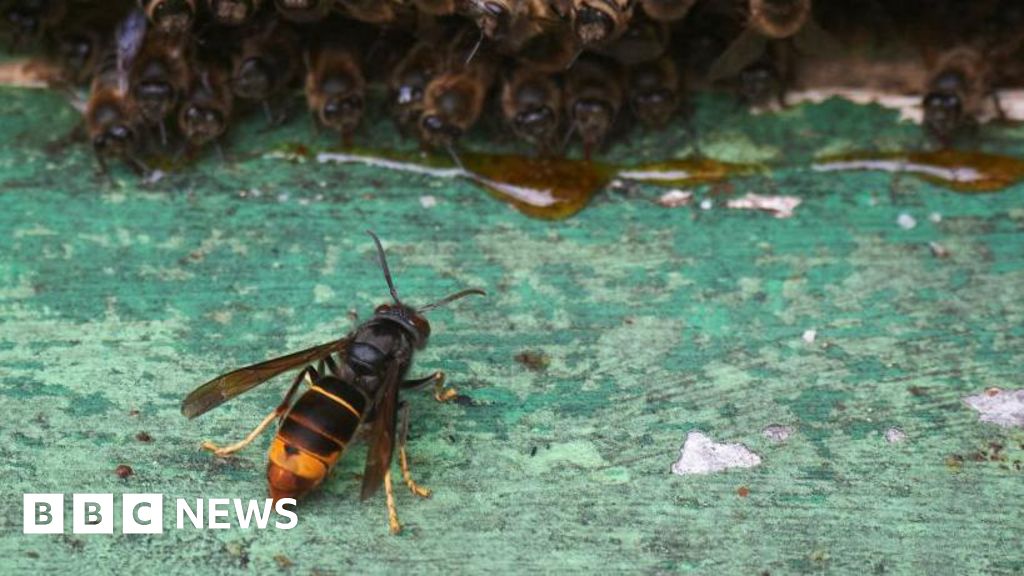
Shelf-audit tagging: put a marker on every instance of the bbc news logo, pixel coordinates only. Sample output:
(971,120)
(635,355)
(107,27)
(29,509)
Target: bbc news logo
(144,513)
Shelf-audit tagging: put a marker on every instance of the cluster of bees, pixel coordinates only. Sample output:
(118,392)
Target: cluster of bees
(167,73)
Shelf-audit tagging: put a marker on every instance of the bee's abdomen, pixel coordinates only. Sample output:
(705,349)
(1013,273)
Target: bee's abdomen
(313,436)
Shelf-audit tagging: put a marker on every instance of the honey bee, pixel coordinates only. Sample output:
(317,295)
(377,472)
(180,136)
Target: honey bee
(159,79)
(171,17)
(353,381)
(596,21)
(510,24)
(207,109)
(496,18)
(531,103)
(667,10)
(111,119)
(78,51)
(654,91)
(30,19)
(764,82)
(593,97)
(454,99)
(381,12)
(774,20)
(304,10)
(233,12)
(408,83)
(957,91)
(552,50)
(267,62)
(643,40)
(435,7)
(335,87)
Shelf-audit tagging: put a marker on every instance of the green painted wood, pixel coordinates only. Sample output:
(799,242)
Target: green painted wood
(116,300)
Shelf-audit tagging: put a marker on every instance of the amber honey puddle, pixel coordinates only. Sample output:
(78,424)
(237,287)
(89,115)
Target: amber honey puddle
(550,188)
(555,188)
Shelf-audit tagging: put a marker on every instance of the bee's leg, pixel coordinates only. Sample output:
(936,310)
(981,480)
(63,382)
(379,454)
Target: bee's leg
(309,374)
(393,526)
(441,394)
(403,458)
(998,106)
(268,112)
(220,151)
(314,124)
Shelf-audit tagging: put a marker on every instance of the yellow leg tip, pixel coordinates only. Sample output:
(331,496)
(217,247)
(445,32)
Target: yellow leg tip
(394,527)
(446,394)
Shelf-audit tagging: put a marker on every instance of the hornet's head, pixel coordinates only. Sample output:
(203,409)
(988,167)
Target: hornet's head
(409,318)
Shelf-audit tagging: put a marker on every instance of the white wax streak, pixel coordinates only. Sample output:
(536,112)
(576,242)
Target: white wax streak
(532,196)
(341,158)
(654,175)
(950,174)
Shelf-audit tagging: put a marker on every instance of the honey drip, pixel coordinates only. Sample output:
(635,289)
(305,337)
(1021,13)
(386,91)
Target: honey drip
(556,188)
(548,188)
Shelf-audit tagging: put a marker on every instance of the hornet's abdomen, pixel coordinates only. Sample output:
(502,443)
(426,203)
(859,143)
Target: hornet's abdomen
(313,436)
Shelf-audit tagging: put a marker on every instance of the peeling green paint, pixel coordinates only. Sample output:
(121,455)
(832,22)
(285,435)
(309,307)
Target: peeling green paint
(115,301)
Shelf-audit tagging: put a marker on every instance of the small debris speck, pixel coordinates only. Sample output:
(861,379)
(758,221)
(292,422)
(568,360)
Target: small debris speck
(123,471)
(143,437)
(935,217)
(533,360)
(777,432)
(906,221)
(938,250)
(810,335)
(743,491)
(702,455)
(894,435)
(706,204)
(675,198)
(428,201)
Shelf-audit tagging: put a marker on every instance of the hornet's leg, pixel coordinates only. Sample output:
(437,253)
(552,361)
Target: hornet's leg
(393,526)
(309,374)
(441,394)
(403,458)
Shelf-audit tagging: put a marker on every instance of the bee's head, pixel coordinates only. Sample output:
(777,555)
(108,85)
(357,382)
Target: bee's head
(254,79)
(231,12)
(202,124)
(172,16)
(116,138)
(943,113)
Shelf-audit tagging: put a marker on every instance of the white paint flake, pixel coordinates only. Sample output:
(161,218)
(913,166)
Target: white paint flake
(1002,407)
(777,433)
(706,204)
(428,201)
(906,221)
(778,206)
(675,198)
(702,455)
(810,335)
(894,435)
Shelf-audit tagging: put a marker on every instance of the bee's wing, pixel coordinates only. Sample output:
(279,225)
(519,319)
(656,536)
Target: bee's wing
(743,51)
(382,437)
(227,386)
